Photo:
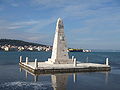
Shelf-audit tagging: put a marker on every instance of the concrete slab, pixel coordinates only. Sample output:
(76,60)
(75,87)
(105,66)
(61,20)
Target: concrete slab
(63,68)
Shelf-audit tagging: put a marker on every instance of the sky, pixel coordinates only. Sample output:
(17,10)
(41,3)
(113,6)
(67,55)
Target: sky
(88,24)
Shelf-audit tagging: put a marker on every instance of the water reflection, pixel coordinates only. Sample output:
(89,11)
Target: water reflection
(26,74)
(60,81)
(20,69)
(35,78)
(106,77)
(74,77)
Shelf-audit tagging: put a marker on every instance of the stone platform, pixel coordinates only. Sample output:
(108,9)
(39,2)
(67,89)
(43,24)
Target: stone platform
(45,68)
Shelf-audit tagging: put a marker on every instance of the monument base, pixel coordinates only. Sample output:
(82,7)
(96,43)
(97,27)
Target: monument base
(45,68)
(59,61)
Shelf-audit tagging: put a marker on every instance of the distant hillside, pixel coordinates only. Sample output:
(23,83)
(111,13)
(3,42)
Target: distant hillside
(18,43)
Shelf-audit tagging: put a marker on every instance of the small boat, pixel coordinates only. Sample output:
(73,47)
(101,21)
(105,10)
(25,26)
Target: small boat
(75,50)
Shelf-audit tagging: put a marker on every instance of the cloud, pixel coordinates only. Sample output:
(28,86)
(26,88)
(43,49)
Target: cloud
(26,30)
(7,25)
(65,3)
(14,4)
(104,20)
(27,36)
(30,25)
(51,3)
(42,23)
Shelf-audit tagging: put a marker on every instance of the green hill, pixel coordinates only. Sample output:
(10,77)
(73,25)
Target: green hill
(18,43)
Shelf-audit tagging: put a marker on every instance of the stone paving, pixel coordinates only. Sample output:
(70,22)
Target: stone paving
(44,65)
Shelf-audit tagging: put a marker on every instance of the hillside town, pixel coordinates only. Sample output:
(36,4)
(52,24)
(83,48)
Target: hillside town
(35,48)
(25,48)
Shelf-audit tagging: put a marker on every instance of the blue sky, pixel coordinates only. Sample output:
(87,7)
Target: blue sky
(92,24)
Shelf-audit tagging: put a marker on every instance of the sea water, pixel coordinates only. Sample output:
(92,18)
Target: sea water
(12,77)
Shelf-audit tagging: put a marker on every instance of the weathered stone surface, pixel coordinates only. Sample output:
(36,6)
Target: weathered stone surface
(59,52)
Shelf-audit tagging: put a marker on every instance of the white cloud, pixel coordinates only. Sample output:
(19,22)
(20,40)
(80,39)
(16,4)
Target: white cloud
(14,4)
(42,23)
(65,3)
(7,25)
(30,25)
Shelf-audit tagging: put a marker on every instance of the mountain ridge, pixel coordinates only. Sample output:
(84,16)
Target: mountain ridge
(14,42)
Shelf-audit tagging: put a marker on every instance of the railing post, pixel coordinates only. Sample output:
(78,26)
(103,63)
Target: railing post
(26,60)
(107,61)
(75,64)
(36,64)
(20,59)
(72,58)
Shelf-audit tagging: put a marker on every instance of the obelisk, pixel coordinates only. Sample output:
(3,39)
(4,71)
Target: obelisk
(59,51)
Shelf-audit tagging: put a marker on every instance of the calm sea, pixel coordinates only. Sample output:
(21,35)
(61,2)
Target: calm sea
(12,77)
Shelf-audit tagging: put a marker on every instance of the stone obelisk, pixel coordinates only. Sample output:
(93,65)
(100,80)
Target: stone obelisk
(59,51)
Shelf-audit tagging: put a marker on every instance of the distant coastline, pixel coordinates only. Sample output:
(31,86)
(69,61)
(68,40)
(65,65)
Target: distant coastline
(19,45)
